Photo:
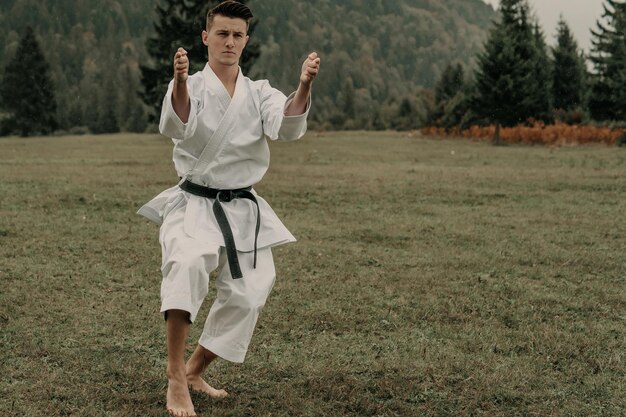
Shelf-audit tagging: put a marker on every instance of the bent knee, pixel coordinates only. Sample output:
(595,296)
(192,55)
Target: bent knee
(191,265)
(246,303)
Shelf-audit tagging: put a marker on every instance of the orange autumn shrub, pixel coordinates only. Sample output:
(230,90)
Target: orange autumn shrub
(557,134)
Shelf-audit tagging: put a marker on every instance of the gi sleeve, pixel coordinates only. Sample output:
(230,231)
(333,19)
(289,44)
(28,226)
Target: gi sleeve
(276,125)
(170,124)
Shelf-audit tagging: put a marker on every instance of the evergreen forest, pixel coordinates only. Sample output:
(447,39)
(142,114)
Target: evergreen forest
(376,54)
(385,65)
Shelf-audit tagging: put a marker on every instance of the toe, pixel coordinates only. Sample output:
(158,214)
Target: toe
(181,413)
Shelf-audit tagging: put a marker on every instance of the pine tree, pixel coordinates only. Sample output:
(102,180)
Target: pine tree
(450,83)
(568,71)
(540,89)
(498,85)
(407,116)
(608,80)
(180,23)
(27,91)
(450,98)
(511,78)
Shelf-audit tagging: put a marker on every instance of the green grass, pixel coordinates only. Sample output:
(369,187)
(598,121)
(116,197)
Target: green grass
(431,278)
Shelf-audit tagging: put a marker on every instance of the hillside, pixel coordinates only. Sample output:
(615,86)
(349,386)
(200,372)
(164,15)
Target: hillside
(376,53)
(93,48)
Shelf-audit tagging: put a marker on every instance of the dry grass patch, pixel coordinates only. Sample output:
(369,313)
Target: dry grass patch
(431,278)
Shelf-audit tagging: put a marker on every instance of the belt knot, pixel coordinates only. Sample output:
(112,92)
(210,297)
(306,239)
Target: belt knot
(222,221)
(226,195)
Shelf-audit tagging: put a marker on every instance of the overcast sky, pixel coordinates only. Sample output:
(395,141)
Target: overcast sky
(580,15)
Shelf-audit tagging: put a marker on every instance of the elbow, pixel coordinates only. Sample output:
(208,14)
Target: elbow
(172,126)
(291,131)
(169,129)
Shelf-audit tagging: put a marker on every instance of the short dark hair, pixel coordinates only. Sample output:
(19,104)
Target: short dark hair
(229,8)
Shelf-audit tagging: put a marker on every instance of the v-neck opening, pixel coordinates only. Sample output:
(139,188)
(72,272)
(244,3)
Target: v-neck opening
(222,91)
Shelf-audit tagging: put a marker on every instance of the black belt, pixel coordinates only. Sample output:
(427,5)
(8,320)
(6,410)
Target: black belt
(222,220)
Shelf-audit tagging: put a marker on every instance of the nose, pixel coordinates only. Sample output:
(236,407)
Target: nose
(230,41)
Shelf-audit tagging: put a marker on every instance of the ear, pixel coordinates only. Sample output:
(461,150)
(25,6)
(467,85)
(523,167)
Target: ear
(205,38)
(247,39)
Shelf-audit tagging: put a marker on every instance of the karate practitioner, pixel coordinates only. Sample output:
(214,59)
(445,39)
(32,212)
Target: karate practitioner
(219,120)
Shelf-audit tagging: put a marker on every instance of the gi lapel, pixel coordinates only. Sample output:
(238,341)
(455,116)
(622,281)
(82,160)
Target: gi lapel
(218,139)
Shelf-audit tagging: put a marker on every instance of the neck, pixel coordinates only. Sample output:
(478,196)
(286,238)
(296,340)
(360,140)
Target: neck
(226,73)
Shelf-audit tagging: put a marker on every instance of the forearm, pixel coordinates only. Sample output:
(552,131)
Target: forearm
(180,101)
(300,100)
(310,68)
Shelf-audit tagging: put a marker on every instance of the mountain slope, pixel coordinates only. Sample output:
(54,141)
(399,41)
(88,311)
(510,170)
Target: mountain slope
(376,53)
(384,50)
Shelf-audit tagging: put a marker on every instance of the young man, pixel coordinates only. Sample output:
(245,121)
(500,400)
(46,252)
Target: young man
(219,120)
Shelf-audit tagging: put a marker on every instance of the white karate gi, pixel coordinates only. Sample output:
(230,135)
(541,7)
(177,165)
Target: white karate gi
(222,146)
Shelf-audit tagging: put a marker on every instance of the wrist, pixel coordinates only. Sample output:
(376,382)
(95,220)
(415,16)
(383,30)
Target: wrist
(304,87)
(180,87)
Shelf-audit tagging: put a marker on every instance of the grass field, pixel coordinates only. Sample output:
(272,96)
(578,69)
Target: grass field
(431,278)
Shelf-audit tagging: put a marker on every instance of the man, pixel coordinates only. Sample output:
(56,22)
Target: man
(219,120)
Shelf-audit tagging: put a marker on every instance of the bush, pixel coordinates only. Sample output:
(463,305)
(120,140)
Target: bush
(570,117)
(79,130)
(539,134)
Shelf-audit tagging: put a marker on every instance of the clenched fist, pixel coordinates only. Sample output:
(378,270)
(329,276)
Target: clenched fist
(310,69)
(181,66)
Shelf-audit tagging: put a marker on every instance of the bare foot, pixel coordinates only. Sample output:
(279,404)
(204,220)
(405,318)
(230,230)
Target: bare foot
(178,399)
(198,384)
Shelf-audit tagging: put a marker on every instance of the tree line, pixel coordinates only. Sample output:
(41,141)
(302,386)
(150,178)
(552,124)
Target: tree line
(386,53)
(386,64)
(519,80)
(88,55)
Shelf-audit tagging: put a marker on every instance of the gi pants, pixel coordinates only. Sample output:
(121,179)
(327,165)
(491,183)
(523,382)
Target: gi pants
(186,265)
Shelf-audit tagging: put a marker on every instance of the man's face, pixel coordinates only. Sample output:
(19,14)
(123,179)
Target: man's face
(226,40)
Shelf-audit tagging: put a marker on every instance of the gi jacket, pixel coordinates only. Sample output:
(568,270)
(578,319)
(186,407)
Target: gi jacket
(223,145)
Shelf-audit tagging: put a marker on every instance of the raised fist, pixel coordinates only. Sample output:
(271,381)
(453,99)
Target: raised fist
(181,66)
(310,68)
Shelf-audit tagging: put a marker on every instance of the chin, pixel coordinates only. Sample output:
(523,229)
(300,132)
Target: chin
(229,60)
